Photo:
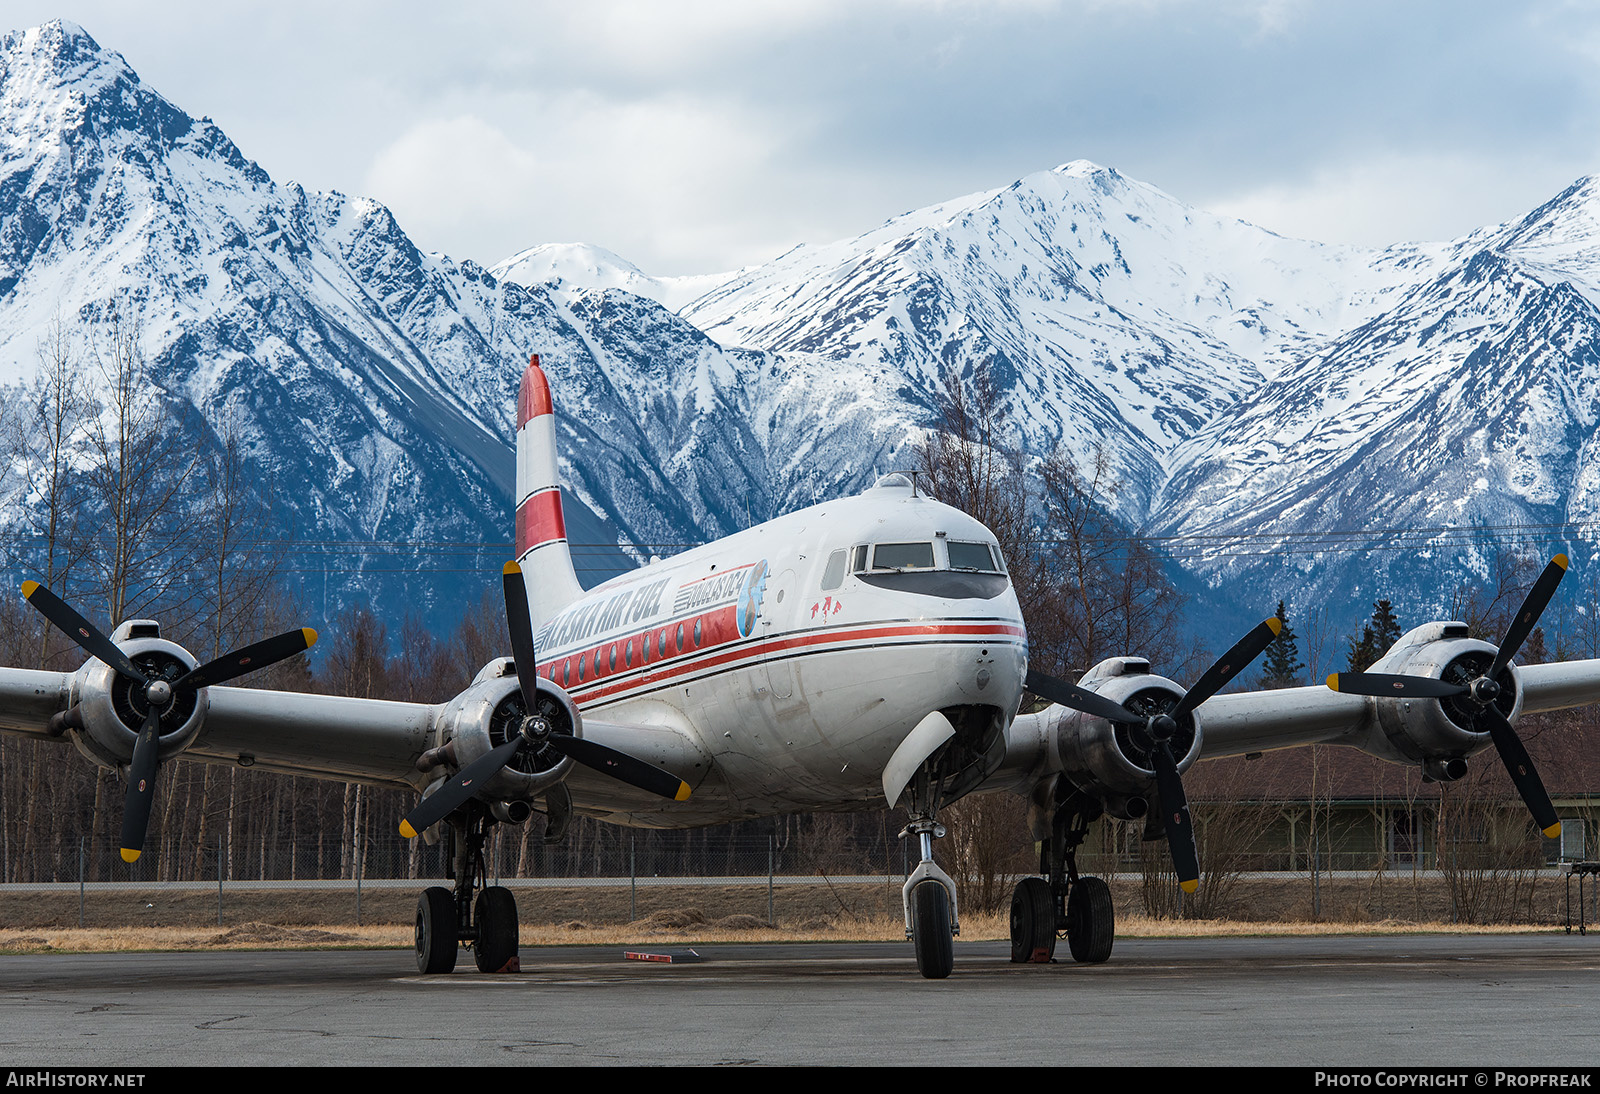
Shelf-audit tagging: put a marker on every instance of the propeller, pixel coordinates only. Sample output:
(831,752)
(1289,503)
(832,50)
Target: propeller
(1482,691)
(1160,728)
(535,732)
(158,694)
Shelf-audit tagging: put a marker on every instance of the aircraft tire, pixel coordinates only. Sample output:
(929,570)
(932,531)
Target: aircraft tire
(1033,922)
(496,947)
(930,930)
(1091,920)
(436,930)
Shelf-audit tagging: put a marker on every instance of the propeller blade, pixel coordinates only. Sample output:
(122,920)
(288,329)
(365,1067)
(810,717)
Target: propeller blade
(519,622)
(80,630)
(1528,615)
(1229,665)
(1384,685)
(1175,818)
(1520,767)
(449,797)
(141,787)
(268,651)
(1079,699)
(620,765)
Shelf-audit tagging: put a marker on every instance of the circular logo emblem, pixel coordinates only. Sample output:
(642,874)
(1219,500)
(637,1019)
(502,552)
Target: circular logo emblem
(750,594)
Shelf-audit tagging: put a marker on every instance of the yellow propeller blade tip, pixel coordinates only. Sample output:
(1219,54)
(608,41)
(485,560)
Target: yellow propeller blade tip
(309,635)
(683,793)
(1189,886)
(1333,681)
(510,568)
(1276,624)
(28,588)
(407,831)
(130,855)
(1560,560)
(1553,831)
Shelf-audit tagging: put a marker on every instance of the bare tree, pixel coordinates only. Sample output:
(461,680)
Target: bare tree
(136,475)
(46,438)
(970,462)
(234,547)
(1105,591)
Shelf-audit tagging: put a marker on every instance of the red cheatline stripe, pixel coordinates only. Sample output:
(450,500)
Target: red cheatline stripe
(689,665)
(534,398)
(539,521)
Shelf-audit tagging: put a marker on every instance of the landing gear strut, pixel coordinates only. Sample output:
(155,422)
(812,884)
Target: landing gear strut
(446,918)
(1062,900)
(930,900)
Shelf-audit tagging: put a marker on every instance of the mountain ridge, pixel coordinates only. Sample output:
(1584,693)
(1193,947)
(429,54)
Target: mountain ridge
(1243,384)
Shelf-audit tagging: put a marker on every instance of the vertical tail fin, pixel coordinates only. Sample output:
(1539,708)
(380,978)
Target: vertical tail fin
(542,550)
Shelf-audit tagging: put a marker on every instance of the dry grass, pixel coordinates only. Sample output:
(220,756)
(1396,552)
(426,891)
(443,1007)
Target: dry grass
(684,926)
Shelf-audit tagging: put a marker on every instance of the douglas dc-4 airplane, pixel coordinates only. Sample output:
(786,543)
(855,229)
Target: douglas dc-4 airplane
(865,651)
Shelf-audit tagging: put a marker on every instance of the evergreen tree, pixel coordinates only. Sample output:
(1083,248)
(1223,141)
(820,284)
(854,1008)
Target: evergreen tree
(1377,635)
(1282,659)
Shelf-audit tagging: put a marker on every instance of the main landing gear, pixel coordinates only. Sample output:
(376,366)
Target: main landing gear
(447,918)
(1042,907)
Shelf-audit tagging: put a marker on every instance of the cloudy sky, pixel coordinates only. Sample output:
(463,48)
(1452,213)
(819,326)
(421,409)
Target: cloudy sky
(702,135)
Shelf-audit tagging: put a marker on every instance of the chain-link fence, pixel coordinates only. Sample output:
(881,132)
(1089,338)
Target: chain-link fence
(624,855)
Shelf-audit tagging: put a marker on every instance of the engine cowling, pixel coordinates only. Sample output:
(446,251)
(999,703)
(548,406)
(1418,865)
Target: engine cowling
(1113,760)
(108,711)
(488,712)
(1439,733)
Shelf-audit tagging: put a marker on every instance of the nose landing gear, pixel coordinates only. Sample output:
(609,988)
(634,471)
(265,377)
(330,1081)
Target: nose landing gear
(930,902)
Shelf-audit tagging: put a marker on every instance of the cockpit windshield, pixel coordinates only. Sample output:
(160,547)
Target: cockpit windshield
(902,556)
(955,569)
(973,556)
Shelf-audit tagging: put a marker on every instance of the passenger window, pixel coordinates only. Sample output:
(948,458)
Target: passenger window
(972,556)
(833,576)
(902,556)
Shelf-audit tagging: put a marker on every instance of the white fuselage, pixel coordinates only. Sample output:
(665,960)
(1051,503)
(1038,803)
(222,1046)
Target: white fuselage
(798,670)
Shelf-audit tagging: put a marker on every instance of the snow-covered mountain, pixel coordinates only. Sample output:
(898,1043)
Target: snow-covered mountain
(1271,391)
(567,268)
(1113,314)
(375,384)
(1468,403)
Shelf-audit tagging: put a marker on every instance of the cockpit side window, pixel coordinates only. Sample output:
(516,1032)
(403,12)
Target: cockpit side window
(833,575)
(860,562)
(902,556)
(972,556)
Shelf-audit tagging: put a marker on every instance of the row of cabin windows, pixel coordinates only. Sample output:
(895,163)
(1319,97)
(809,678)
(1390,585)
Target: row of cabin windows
(898,557)
(589,664)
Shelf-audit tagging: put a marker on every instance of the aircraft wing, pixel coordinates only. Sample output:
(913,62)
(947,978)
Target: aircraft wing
(1426,703)
(1264,720)
(296,733)
(374,741)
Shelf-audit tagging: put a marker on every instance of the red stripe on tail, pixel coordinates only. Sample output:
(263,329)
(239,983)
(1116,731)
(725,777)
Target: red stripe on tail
(539,521)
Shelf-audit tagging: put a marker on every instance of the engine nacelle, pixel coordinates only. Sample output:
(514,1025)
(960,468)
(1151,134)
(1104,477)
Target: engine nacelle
(480,719)
(108,710)
(1435,732)
(1113,760)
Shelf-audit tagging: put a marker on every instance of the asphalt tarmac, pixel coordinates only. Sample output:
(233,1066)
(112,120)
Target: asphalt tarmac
(1458,1001)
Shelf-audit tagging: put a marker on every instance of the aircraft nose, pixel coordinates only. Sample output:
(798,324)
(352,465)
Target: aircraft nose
(992,675)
